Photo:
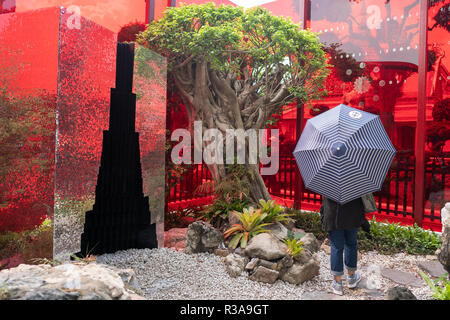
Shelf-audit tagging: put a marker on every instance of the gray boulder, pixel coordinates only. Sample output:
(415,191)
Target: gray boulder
(304,257)
(299,273)
(268,264)
(68,282)
(233,218)
(278,230)
(263,274)
(399,293)
(252,264)
(202,237)
(235,264)
(310,242)
(285,263)
(290,224)
(265,246)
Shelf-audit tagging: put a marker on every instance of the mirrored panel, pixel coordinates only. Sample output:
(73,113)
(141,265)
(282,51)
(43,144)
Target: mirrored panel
(87,74)
(28,94)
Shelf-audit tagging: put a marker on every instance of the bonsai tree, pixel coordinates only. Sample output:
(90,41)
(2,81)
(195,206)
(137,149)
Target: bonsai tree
(235,68)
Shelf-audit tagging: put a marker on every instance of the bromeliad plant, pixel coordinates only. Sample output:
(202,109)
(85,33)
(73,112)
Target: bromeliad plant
(273,211)
(251,224)
(295,247)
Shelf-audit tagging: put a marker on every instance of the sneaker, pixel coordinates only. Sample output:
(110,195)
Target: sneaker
(337,288)
(354,280)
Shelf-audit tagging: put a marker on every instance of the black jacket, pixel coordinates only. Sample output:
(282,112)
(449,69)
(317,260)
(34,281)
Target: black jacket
(347,216)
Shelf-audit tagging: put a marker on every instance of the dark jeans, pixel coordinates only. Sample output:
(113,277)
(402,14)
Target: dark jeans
(344,249)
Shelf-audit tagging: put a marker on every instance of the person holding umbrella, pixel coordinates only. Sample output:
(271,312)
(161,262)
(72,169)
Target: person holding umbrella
(342,223)
(344,154)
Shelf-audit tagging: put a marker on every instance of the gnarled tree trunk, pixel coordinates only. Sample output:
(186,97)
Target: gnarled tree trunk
(225,101)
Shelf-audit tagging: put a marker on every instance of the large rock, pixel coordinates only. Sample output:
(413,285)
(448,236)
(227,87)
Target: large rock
(285,263)
(175,238)
(202,237)
(235,264)
(233,218)
(278,230)
(266,246)
(263,274)
(399,293)
(299,273)
(268,264)
(444,252)
(310,242)
(290,224)
(252,264)
(304,257)
(68,282)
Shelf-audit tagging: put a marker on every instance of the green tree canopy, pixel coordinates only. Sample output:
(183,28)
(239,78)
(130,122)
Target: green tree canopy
(235,68)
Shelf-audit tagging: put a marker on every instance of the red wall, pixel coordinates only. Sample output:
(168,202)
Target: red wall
(111,14)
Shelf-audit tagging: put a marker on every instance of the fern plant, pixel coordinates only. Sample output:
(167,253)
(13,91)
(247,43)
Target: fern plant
(275,212)
(251,224)
(440,287)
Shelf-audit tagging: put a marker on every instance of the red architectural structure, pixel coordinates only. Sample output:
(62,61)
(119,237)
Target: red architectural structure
(390,57)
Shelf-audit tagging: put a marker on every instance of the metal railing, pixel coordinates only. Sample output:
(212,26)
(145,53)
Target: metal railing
(395,199)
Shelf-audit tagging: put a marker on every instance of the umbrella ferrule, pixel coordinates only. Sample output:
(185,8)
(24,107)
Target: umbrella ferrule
(338,149)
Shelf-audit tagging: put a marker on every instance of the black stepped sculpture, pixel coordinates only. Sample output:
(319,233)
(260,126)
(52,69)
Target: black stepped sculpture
(120,218)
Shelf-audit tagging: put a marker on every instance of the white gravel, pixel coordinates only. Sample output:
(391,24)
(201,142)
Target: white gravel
(167,274)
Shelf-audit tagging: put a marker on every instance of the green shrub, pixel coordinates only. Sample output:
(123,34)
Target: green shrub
(391,238)
(386,238)
(308,221)
(217,212)
(231,195)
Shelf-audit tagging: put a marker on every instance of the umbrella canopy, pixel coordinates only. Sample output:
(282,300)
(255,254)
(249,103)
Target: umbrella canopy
(344,153)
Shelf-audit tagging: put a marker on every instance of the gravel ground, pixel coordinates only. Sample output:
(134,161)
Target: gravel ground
(167,274)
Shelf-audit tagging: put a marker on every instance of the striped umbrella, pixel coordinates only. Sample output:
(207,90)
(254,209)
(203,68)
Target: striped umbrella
(344,153)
